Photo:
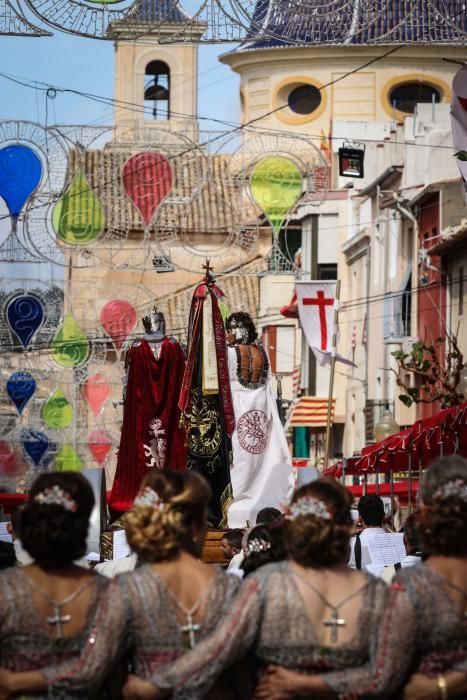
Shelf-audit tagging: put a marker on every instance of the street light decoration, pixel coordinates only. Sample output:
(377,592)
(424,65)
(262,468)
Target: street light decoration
(351,160)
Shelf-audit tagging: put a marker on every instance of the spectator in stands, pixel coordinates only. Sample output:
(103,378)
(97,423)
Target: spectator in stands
(371,514)
(412,545)
(22,556)
(268,515)
(232,550)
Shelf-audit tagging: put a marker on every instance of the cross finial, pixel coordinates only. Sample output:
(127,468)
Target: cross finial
(208,269)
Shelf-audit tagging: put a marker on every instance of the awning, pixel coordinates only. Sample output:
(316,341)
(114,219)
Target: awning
(414,448)
(310,412)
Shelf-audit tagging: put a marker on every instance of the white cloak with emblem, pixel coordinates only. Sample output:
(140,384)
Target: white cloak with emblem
(261,472)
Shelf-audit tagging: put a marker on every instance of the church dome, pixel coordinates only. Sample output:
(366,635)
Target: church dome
(158,11)
(354,22)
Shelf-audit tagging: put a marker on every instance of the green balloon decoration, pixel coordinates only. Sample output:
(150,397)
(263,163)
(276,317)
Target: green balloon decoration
(276,185)
(70,344)
(67,460)
(57,412)
(78,218)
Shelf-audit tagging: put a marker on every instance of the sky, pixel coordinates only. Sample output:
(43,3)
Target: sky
(88,65)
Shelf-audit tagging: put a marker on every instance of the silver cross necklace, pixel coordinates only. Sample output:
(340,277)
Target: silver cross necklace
(57,619)
(191,628)
(335,622)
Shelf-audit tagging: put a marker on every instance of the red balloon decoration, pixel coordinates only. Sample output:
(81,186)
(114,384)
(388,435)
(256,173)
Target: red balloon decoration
(100,444)
(118,318)
(10,464)
(96,391)
(147,179)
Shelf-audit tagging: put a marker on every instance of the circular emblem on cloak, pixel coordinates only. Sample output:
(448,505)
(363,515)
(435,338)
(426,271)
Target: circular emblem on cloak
(252,429)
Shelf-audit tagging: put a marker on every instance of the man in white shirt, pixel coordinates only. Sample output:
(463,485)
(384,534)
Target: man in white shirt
(111,568)
(371,516)
(412,547)
(232,550)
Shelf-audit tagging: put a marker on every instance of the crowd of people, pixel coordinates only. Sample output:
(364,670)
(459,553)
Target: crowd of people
(296,614)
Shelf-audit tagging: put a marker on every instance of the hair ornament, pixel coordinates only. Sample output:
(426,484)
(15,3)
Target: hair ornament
(148,497)
(56,496)
(257,545)
(308,505)
(456,488)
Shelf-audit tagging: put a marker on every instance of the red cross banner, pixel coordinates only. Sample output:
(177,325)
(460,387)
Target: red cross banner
(316,306)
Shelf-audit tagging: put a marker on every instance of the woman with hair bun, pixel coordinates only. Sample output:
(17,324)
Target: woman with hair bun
(311,614)
(264,544)
(424,632)
(48,608)
(171,600)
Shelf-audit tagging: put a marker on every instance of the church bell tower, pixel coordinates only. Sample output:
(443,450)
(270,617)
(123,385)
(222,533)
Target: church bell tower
(156,81)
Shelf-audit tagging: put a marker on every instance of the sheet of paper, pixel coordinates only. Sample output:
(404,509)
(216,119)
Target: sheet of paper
(386,549)
(120,545)
(93,556)
(4,534)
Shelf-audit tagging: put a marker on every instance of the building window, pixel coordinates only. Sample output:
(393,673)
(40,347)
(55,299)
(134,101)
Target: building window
(157,91)
(405,96)
(298,99)
(398,311)
(461,290)
(327,271)
(279,342)
(304,99)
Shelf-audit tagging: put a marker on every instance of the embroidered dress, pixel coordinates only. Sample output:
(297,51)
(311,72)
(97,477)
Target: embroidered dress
(422,632)
(25,644)
(268,617)
(143,608)
(261,472)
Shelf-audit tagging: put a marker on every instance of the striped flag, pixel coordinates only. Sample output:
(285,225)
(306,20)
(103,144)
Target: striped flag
(311,411)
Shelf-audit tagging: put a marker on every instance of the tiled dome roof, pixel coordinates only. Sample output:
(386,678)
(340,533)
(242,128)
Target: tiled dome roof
(158,11)
(363,22)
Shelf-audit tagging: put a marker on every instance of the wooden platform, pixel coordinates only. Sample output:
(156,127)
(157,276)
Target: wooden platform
(212,550)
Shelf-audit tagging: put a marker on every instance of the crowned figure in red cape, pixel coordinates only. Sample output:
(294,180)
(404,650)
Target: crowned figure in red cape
(206,400)
(152,437)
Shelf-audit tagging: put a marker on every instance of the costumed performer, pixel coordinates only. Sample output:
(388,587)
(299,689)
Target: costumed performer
(205,399)
(261,472)
(151,434)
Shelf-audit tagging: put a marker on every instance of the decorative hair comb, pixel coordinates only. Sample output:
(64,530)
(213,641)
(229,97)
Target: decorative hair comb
(457,487)
(56,496)
(148,497)
(257,545)
(308,505)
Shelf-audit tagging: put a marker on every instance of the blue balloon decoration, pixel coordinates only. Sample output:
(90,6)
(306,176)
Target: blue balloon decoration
(20,175)
(25,315)
(35,444)
(20,388)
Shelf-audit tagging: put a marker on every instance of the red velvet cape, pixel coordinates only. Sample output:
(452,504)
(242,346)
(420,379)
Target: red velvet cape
(153,389)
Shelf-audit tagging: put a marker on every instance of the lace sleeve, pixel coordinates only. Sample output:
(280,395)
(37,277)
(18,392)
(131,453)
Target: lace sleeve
(194,673)
(390,653)
(105,642)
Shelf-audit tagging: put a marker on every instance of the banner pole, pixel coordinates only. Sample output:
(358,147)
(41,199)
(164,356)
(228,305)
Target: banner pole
(331,377)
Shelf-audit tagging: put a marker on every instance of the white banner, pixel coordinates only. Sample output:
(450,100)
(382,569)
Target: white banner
(317,303)
(459,121)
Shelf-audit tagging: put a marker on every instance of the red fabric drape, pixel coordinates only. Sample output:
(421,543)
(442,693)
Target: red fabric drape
(152,392)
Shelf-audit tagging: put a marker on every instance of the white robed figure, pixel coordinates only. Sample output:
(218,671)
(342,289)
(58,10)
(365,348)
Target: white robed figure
(261,472)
